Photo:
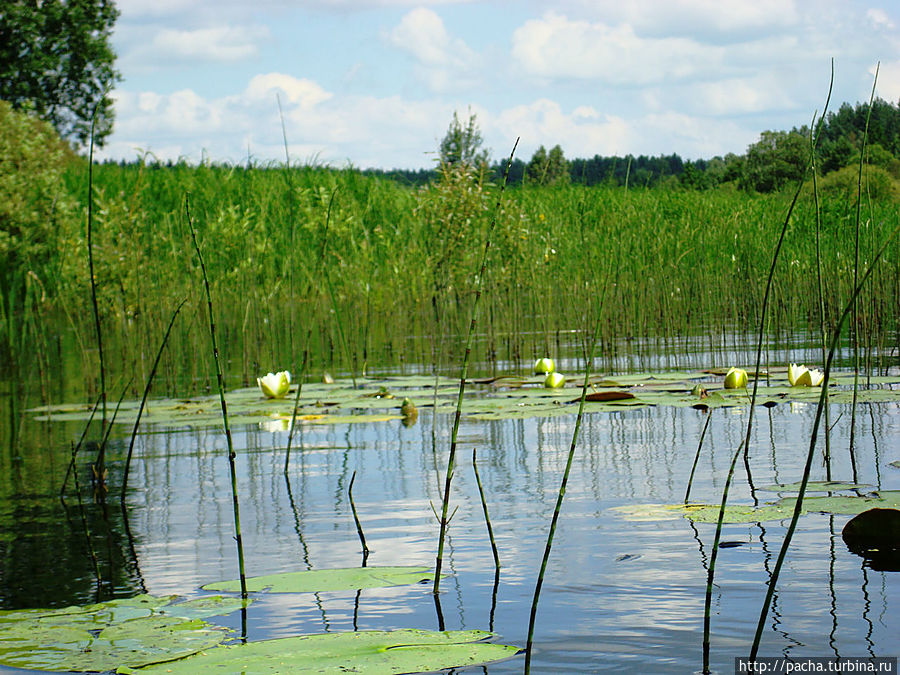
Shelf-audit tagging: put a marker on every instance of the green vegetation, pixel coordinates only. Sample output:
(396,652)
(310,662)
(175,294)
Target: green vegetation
(679,261)
(56,60)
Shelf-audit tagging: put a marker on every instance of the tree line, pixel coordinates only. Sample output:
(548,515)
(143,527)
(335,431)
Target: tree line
(776,160)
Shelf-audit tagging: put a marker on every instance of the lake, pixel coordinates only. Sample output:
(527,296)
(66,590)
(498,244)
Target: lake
(619,594)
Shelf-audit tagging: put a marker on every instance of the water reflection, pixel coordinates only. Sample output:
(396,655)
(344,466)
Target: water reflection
(618,595)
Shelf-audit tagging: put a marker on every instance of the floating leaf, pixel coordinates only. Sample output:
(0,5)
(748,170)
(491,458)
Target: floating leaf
(39,644)
(343,579)
(604,396)
(132,631)
(374,652)
(779,510)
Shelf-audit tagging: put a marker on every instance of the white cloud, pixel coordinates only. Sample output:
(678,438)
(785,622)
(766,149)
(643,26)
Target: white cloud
(301,92)
(888,84)
(879,19)
(710,19)
(443,61)
(582,133)
(367,130)
(555,46)
(217,43)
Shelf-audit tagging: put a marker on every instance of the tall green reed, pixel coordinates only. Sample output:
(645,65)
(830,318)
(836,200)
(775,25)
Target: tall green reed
(451,459)
(221,386)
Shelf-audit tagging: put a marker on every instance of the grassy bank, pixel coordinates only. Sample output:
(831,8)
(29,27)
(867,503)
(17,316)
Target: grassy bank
(399,262)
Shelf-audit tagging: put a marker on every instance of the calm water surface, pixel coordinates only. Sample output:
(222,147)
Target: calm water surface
(619,595)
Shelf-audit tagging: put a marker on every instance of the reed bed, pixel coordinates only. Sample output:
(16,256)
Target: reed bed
(680,262)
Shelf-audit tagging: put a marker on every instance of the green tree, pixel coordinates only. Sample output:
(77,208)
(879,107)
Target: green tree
(776,160)
(462,144)
(56,60)
(548,168)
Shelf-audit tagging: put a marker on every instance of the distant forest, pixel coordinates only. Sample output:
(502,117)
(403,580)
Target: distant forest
(777,159)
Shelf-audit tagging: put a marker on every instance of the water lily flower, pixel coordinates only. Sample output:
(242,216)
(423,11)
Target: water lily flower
(275,385)
(554,380)
(801,376)
(543,365)
(736,378)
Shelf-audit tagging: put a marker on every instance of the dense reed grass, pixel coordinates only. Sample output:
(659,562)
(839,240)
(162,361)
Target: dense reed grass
(685,262)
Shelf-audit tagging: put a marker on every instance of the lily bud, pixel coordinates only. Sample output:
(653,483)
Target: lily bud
(544,365)
(736,378)
(275,385)
(554,380)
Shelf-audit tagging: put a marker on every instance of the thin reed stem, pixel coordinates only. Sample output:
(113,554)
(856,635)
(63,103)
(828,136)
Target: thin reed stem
(746,442)
(221,383)
(137,420)
(798,506)
(855,332)
(687,492)
(93,280)
(589,362)
(479,279)
(359,530)
(305,362)
(484,508)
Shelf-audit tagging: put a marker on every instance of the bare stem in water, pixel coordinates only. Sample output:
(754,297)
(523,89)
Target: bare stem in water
(221,382)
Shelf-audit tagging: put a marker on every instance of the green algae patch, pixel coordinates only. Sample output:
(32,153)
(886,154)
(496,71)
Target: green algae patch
(373,652)
(314,581)
(132,632)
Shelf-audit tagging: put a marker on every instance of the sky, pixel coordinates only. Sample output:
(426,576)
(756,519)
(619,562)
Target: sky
(375,83)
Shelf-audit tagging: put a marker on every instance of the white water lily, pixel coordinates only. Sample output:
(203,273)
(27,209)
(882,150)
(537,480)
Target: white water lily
(801,376)
(544,365)
(736,378)
(554,380)
(275,385)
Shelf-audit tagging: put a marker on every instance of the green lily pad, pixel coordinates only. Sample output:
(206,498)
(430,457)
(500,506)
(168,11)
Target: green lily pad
(132,631)
(374,652)
(779,510)
(344,579)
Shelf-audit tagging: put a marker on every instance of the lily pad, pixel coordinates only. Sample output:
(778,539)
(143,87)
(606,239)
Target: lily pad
(134,631)
(374,652)
(344,579)
(779,510)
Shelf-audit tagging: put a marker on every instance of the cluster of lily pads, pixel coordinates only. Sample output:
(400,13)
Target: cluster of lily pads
(148,634)
(400,398)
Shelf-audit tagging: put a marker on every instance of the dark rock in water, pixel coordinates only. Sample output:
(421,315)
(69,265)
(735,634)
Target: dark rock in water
(875,535)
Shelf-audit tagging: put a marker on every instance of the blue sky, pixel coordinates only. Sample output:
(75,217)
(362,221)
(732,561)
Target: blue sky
(375,83)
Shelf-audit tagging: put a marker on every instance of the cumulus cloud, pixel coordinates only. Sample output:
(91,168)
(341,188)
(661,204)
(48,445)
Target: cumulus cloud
(366,130)
(443,61)
(301,92)
(555,46)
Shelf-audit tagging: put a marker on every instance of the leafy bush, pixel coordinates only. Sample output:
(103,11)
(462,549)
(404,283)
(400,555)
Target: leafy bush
(843,184)
(35,208)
